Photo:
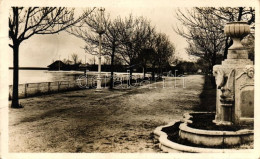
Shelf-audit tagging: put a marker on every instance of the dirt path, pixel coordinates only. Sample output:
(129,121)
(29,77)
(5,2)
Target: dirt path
(110,121)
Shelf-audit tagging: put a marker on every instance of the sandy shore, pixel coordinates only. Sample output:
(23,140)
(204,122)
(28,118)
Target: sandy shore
(107,121)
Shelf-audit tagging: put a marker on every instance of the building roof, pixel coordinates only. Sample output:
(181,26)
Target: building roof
(56,63)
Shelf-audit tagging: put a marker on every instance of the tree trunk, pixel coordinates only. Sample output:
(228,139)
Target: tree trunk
(15,99)
(212,78)
(131,73)
(144,71)
(153,72)
(161,71)
(112,68)
(227,45)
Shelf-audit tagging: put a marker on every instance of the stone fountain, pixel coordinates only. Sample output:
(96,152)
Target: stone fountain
(235,80)
(234,105)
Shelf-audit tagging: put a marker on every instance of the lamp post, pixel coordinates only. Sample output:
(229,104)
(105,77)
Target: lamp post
(100,31)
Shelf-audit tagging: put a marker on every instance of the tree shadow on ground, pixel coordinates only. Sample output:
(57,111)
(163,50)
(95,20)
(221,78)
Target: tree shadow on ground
(207,96)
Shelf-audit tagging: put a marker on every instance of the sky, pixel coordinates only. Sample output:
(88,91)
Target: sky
(41,50)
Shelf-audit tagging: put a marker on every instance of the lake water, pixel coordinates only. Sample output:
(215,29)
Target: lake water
(36,76)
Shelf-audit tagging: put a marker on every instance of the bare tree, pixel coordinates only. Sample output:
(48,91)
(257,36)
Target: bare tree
(130,39)
(75,58)
(203,29)
(110,38)
(66,61)
(145,57)
(163,51)
(93,60)
(26,22)
(249,43)
(228,14)
(204,35)
(134,36)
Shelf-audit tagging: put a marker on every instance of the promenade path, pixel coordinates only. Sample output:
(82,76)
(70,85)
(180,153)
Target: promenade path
(107,121)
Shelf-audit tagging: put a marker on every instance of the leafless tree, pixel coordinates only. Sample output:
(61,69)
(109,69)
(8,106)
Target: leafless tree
(249,43)
(228,14)
(203,29)
(142,45)
(163,51)
(204,34)
(135,34)
(92,61)
(26,22)
(130,39)
(75,58)
(66,61)
(110,38)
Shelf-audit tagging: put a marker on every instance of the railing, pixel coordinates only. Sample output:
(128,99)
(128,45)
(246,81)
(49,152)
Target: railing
(34,89)
(82,82)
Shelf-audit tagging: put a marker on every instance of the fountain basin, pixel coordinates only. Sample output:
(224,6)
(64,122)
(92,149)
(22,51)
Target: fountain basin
(215,138)
(177,136)
(208,137)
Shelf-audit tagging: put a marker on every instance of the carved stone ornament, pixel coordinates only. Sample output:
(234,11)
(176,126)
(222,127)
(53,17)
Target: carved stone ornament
(227,90)
(250,71)
(220,78)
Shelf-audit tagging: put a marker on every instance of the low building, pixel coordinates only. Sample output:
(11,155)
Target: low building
(57,65)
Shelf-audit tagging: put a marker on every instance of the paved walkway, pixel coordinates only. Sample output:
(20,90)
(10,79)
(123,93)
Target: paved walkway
(107,121)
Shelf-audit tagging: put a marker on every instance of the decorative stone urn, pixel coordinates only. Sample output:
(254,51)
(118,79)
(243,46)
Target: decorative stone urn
(237,31)
(235,80)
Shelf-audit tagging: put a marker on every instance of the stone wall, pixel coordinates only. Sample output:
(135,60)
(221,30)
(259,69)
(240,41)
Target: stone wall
(35,89)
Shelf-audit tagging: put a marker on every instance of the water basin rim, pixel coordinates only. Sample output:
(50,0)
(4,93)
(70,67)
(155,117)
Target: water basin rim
(165,142)
(184,127)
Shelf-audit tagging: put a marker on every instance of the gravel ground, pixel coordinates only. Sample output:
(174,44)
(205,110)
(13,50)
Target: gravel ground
(121,120)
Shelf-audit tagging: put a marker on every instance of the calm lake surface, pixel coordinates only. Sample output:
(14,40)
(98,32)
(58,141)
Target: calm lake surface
(36,76)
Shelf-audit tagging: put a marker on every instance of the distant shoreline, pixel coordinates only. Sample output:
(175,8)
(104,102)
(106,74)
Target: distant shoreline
(30,68)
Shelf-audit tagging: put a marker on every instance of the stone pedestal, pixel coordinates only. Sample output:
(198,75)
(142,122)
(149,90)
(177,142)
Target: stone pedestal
(235,81)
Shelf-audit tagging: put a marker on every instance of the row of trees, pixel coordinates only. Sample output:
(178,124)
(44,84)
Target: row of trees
(131,40)
(203,29)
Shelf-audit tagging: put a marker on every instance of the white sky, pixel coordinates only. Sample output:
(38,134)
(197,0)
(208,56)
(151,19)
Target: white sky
(41,50)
